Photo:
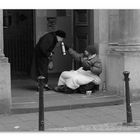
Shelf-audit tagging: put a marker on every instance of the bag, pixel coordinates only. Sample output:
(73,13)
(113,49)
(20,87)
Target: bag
(50,65)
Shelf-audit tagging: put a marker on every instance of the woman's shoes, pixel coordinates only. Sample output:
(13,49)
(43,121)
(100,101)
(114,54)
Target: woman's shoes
(69,90)
(60,88)
(63,88)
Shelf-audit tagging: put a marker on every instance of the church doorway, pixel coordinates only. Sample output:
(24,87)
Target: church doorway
(19,40)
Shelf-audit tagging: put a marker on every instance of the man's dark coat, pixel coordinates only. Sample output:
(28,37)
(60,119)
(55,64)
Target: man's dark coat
(42,52)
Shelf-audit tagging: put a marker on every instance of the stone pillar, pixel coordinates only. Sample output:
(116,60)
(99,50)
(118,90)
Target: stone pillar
(1,34)
(124,55)
(101,38)
(5,81)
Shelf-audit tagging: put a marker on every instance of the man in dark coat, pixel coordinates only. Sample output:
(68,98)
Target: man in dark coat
(43,54)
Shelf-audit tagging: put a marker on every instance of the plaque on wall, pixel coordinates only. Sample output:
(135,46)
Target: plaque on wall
(51,23)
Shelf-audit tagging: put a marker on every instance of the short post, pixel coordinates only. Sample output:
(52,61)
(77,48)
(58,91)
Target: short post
(127,94)
(41,103)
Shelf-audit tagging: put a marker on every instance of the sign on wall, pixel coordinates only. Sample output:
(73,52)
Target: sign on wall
(51,23)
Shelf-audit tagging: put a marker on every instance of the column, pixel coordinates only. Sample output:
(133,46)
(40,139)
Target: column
(1,36)
(5,81)
(101,38)
(125,54)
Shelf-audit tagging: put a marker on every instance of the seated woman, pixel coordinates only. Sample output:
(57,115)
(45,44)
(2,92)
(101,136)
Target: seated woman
(89,71)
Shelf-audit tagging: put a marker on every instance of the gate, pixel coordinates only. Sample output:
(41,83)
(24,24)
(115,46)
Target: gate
(18,40)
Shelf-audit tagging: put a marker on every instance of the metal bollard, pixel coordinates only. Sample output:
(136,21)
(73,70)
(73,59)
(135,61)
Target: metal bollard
(127,94)
(41,103)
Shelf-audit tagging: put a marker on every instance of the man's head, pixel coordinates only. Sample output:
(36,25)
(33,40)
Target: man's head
(60,35)
(90,50)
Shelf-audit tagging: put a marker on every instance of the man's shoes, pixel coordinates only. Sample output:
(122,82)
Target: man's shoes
(46,87)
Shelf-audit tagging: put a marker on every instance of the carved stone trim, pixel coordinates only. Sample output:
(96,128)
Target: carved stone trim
(124,49)
(3,59)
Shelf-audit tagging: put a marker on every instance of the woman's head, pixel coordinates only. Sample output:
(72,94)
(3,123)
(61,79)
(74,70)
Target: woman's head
(90,50)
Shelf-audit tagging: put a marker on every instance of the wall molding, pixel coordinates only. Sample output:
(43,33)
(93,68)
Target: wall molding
(124,49)
(3,59)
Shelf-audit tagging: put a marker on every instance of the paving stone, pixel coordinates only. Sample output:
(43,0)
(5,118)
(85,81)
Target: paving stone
(9,119)
(29,116)
(106,127)
(21,126)
(59,120)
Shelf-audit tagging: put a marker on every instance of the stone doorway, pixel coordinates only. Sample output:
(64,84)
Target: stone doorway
(19,40)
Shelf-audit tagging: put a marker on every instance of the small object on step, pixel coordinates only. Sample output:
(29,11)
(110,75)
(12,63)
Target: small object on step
(89,92)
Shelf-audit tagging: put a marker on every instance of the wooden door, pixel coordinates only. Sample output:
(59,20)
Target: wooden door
(81,31)
(18,40)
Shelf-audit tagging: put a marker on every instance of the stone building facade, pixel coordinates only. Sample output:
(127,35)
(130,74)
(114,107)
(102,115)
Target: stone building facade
(117,34)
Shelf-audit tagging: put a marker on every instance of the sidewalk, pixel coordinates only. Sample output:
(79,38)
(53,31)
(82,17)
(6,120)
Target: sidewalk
(99,119)
(101,111)
(25,98)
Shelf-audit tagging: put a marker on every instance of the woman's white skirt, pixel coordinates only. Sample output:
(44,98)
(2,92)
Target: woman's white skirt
(73,79)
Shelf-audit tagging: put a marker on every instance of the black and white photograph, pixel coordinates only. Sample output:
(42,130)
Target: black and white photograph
(69,70)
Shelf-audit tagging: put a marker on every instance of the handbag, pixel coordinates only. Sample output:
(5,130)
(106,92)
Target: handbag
(50,65)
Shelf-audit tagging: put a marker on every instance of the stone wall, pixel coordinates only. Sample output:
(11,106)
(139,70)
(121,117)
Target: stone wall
(5,80)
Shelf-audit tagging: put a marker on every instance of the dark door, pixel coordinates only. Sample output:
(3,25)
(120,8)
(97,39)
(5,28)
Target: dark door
(81,31)
(18,40)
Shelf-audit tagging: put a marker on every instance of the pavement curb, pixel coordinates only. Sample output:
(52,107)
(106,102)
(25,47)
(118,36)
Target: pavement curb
(67,107)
